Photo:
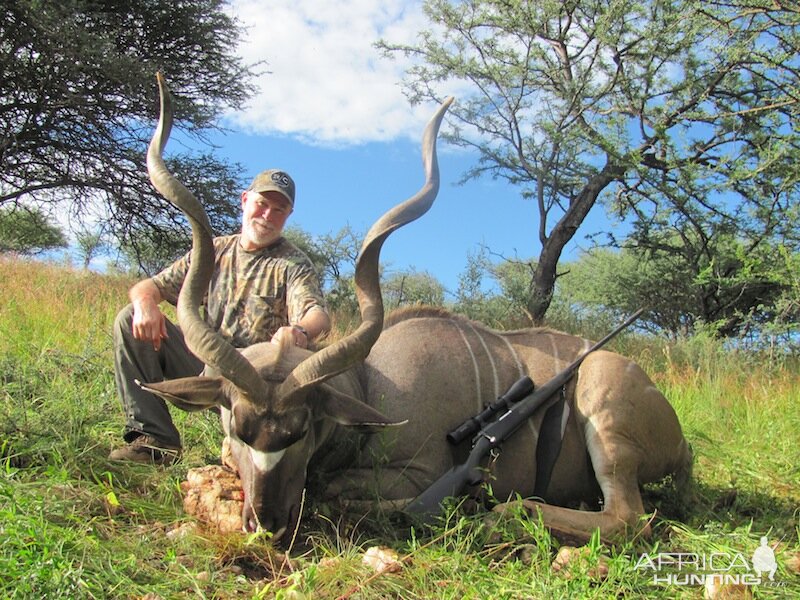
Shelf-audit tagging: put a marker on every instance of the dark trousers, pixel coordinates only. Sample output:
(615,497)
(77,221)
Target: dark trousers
(137,360)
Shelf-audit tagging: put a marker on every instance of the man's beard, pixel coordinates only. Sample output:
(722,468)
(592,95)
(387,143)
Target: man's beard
(259,231)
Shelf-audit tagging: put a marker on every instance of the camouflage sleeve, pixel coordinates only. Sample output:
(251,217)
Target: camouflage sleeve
(303,293)
(170,280)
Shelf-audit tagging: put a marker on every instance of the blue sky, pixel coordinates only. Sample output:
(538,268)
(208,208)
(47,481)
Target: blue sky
(330,111)
(354,186)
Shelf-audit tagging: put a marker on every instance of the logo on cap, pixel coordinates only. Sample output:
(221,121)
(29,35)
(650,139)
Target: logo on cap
(282,179)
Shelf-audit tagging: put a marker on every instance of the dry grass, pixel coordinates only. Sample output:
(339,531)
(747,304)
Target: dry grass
(49,306)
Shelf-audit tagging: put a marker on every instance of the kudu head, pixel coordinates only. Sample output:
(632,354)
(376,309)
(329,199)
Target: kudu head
(276,400)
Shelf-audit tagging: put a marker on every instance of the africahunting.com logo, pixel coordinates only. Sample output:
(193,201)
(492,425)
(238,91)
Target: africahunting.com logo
(727,568)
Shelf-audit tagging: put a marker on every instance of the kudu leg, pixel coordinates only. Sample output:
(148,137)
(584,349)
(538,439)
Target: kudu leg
(632,435)
(615,464)
(385,482)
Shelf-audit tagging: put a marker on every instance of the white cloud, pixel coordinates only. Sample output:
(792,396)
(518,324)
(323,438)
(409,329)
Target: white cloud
(327,84)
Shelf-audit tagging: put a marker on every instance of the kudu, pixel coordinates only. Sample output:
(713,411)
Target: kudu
(368,414)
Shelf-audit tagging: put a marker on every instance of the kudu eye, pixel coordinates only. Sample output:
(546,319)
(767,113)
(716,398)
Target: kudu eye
(289,428)
(270,432)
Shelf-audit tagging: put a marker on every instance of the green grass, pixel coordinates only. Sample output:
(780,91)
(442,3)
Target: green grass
(75,525)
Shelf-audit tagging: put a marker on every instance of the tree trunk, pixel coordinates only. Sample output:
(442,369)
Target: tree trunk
(544,278)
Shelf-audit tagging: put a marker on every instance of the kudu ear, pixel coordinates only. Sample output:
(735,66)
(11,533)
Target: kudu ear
(190,393)
(348,411)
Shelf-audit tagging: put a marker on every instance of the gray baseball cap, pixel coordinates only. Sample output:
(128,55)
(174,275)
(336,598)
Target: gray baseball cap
(274,180)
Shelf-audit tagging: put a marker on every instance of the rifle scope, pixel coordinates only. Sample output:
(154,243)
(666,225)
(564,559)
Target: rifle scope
(518,390)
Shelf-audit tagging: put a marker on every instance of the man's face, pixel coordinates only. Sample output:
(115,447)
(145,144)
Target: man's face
(263,218)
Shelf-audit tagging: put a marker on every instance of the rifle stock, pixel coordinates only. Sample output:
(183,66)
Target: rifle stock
(427,505)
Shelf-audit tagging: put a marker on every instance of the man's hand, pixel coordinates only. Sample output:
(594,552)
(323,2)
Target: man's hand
(149,323)
(297,334)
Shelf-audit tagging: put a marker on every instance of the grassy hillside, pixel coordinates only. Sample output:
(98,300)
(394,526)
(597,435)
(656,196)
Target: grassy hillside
(74,525)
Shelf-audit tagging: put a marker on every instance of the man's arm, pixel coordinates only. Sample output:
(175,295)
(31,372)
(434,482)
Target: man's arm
(149,323)
(307,315)
(314,323)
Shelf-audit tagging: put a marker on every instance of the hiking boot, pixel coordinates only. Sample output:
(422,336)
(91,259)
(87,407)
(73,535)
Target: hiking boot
(147,450)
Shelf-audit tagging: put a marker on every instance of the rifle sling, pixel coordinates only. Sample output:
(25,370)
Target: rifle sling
(548,445)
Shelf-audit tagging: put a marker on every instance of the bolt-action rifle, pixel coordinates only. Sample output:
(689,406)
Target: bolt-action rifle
(427,505)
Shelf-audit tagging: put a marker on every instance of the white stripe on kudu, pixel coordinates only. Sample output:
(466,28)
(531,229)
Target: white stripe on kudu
(490,358)
(266,461)
(475,369)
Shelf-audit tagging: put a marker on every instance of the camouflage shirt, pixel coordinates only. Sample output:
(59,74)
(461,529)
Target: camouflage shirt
(251,294)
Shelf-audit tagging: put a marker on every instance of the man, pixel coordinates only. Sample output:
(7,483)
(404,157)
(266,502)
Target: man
(263,288)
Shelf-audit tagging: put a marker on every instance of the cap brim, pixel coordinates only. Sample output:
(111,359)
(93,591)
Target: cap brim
(272,188)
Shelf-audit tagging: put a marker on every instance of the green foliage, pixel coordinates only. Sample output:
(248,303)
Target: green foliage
(724,290)
(714,287)
(334,256)
(89,244)
(75,525)
(411,287)
(470,295)
(164,236)
(477,296)
(28,231)
(154,250)
(80,103)
(680,116)
(474,298)
(305,242)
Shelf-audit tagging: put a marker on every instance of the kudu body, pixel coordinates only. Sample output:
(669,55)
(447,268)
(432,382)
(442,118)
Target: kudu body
(288,412)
